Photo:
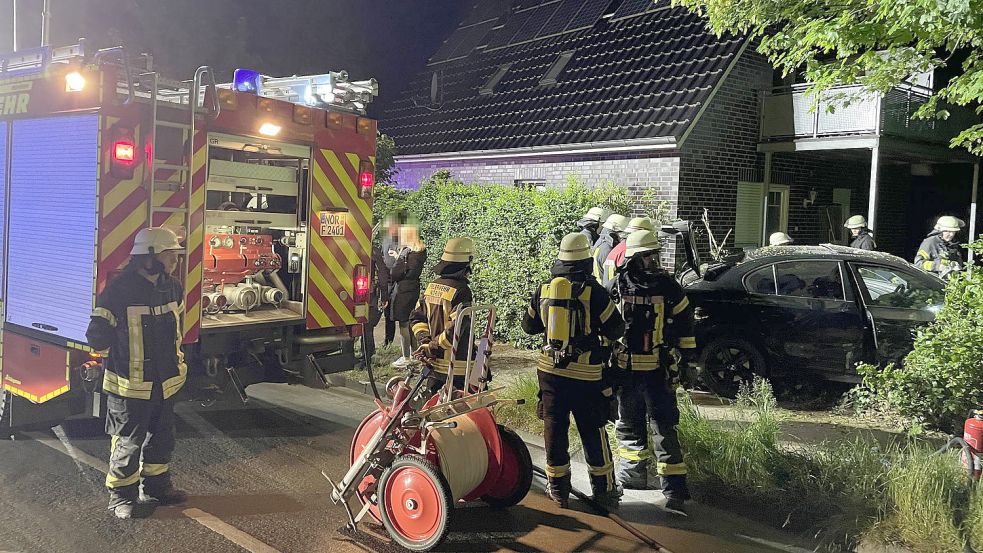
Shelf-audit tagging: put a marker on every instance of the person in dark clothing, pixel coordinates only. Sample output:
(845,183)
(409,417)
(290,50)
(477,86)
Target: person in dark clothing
(378,300)
(862,239)
(610,236)
(435,315)
(573,312)
(390,253)
(659,321)
(405,276)
(938,253)
(136,326)
(590,223)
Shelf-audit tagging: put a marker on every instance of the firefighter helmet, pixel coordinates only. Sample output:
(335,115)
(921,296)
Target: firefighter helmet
(779,239)
(574,247)
(642,242)
(458,250)
(597,214)
(154,240)
(640,223)
(616,222)
(857,221)
(949,223)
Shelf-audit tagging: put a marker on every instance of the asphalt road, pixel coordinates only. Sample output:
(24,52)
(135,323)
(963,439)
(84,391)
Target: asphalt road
(253,474)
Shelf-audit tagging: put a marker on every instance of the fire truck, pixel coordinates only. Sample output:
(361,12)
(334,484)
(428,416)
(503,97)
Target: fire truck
(267,182)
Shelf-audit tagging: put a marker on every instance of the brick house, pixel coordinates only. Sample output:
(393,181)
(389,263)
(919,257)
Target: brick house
(642,94)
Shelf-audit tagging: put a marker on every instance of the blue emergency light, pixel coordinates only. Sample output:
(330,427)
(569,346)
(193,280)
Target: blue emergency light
(247,80)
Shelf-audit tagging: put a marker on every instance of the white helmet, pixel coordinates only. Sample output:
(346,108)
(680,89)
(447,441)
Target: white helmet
(154,240)
(616,222)
(857,221)
(597,214)
(779,239)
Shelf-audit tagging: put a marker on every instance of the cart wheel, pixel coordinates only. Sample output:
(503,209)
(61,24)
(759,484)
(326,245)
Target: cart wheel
(516,477)
(415,503)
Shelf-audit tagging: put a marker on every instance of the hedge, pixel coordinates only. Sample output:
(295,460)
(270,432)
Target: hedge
(516,232)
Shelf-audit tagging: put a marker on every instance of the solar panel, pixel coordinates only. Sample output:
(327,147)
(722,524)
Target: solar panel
(633,7)
(539,16)
(561,18)
(589,13)
(483,10)
(471,37)
(504,35)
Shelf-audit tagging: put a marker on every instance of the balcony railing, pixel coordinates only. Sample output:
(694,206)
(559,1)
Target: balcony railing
(792,113)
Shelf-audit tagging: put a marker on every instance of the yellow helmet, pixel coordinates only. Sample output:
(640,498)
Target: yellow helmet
(616,222)
(857,221)
(640,223)
(574,247)
(598,214)
(641,242)
(949,223)
(458,250)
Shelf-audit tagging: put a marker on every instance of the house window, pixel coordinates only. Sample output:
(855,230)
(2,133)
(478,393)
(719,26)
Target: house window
(530,184)
(489,87)
(752,227)
(558,66)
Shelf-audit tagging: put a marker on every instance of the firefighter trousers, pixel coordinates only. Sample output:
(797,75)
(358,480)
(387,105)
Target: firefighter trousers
(142,443)
(647,400)
(559,397)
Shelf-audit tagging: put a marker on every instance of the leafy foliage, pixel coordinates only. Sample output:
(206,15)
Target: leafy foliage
(516,232)
(385,160)
(877,43)
(942,378)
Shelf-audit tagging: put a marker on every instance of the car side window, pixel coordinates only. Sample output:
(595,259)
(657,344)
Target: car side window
(890,287)
(810,279)
(761,281)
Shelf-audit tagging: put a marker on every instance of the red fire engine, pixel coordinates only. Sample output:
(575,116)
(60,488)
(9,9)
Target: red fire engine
(268,181)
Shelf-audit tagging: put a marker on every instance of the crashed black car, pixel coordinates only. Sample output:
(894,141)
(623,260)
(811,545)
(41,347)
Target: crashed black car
(804,310)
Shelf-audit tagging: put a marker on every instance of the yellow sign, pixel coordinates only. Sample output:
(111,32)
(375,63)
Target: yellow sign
(332,222)
(15,97)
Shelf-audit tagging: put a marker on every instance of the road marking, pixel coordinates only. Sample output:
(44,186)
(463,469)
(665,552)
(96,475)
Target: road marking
(229,532)
(62,445)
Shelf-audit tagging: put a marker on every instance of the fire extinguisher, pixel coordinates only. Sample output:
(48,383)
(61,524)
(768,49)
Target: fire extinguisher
(973,435)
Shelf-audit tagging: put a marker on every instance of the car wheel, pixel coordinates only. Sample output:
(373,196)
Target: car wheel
(729,362)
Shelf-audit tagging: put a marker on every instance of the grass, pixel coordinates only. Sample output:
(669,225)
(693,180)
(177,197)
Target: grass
(381,363)
(841,491)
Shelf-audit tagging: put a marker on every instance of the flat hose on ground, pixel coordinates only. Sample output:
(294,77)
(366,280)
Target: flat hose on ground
(605,512)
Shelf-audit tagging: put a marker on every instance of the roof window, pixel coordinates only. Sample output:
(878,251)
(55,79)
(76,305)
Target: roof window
(550,78)
(489,87)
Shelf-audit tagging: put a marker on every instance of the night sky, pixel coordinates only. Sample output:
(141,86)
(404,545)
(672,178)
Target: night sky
(389,40)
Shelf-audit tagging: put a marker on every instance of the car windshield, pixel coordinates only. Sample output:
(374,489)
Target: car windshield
(890,287)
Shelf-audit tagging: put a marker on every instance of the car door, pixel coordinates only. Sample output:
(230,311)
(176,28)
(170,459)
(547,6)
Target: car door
(811,320)
(896,302)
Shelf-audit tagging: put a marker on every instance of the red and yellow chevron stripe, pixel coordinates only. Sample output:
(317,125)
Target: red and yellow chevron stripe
(122,208)
(195,239)
(330,274)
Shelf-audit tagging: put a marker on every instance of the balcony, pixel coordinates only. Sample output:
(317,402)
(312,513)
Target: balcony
(790,113)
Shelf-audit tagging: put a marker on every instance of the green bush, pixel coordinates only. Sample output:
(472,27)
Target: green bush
(942,378)
(516,232)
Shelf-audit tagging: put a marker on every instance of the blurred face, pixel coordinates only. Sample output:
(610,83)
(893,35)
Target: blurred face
(408,235)
(169,260)
(948,235)
(855,231)
(651,260)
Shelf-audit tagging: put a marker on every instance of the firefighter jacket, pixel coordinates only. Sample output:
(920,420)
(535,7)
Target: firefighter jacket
(864,241)
(606,242)
(589,229)
(658,317)
(436,314)
(137,326)
(586,301)
(938,256)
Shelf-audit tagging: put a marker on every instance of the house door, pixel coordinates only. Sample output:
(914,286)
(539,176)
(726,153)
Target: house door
(757,220)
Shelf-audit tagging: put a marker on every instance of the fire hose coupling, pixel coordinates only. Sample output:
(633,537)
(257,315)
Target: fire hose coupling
(244,296)
(214,302)
(272,295)
(90,371)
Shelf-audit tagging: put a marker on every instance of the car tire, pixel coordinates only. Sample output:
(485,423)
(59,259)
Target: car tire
(728,362)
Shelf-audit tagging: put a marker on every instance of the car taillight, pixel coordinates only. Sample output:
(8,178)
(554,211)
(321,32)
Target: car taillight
(366,178)
(122,153)
(361,284)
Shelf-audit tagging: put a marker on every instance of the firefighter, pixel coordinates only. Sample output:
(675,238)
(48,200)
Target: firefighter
(435,315)
(590,222)
(937,253)
(136,324)
(574,312)
(862,239)
(610,236)
(617,256)
(780,239)
(659,322)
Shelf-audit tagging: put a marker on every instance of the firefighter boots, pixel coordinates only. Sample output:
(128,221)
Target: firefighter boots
(558,489)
